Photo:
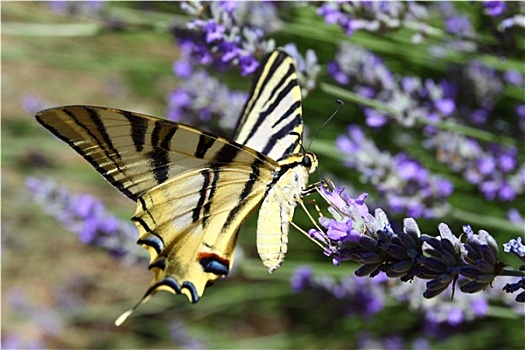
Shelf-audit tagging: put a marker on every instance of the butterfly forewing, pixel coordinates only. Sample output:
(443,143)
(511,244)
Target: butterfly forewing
(135,152)
(271,122)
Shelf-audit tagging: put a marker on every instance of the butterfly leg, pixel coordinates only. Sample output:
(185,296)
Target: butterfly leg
(314,221)
(316,187)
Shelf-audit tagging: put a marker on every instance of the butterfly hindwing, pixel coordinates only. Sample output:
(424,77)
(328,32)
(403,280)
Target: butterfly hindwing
(192,245)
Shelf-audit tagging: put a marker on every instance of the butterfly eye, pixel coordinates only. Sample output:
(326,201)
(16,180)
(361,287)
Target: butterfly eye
(307,162)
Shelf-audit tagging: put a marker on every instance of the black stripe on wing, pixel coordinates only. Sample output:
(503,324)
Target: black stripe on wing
(282,133)
(253,97)
(101,129)
(245,194)
(138,129)
(264,114)
(160,141)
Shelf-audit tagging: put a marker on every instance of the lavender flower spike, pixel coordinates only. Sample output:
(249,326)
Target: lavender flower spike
(354,234)
(87,218)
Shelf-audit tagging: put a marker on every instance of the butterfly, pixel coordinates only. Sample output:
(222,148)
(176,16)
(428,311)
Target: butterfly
(194,189)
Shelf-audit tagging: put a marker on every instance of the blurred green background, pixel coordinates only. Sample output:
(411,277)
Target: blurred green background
(47,61)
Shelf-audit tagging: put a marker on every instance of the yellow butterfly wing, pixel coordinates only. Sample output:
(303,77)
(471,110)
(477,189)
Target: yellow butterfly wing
(136,152)
(191,246)
(193,189)
(272,124)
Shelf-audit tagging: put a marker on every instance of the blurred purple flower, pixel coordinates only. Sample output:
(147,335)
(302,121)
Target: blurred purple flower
(376,16)
(32,104)
(494,171)
(520,111)
(202,99)
(248,65)
(460,26)
(446,106)
(179,335)
(64,7)
(214,31)
(403,182)
(515,217)
(301,278)
(354,295)
(411,99)
(494,8)
(374,119)
(87,218)
(514,77)
(182,68)
(230,32)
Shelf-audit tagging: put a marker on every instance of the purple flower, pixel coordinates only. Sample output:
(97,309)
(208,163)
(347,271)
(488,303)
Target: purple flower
(229,51)
(330,13)
(516,247)
(520,111)
(182,68)
(486,165)
(214,31)
(32,104)
(180,98)
(63,7)
(506,192)
(494,8)
(376,16)
(205,99)
(459,25)
(228,6)
(515,217)
(333,69)
(87,218)
(514,77)
(374,118)
(405,184)
(513,287)
(248,65)
(446,106)
(341,231)
(225,33)
(353,295)
(480,306)
(455,317)
(479,116)
(301,279)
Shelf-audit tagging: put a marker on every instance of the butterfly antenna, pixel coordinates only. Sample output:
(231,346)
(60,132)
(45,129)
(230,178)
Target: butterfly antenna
(323,179)
(341,104)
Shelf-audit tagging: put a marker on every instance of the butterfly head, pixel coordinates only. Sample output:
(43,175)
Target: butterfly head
(309,161)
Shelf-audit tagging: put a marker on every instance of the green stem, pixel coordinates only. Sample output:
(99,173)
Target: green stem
(507,272)
(62,29)
(456,128)
(484,220)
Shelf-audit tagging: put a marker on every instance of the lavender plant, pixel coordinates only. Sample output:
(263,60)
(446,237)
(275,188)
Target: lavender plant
(439,87)
(355,234)
(87,217)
